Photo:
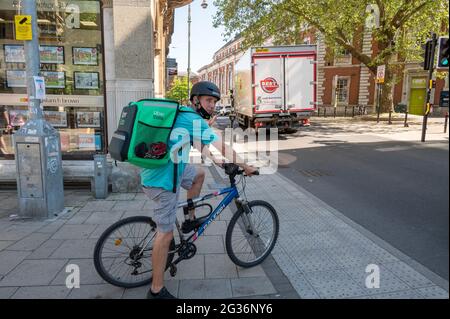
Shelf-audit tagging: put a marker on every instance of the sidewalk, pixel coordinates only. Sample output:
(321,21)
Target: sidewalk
(319,253)
(34,254)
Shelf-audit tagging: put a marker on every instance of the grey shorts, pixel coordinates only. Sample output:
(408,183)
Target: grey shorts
(165,212)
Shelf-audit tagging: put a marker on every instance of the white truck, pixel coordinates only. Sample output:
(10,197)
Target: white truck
(275,86)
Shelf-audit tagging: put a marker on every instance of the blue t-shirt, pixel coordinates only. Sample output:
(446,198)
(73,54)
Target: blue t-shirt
(189,128)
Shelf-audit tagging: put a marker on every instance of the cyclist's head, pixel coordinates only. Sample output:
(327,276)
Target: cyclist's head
(204,96)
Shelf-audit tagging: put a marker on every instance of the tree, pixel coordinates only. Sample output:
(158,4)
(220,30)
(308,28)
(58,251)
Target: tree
(179,90)
(403,27)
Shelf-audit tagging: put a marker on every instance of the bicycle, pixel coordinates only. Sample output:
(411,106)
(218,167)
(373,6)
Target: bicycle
(134,250)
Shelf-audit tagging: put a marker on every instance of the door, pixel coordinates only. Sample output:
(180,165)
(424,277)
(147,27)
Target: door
(268,81)
(300,87)
(417,95)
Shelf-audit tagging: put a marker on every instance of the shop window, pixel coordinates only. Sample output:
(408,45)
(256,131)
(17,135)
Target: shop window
(71,55)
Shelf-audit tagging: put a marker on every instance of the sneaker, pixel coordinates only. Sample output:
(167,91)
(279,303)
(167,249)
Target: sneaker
(162,294)
(189,225)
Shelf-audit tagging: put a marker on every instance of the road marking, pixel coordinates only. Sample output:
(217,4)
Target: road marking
(393,149)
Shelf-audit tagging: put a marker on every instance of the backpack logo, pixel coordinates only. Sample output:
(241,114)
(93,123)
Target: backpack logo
(158,116)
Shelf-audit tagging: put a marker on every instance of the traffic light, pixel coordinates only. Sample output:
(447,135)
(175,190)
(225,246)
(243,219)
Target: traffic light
(427,56)
(443,53)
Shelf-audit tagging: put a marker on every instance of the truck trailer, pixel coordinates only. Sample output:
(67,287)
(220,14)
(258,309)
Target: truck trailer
(275,86)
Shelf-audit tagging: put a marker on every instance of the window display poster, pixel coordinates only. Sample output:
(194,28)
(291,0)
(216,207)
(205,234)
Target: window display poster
(14,53)
(51,54)
(57,119)
(54,79)
(86,80)
(88,119)
(86,141)
(16,78)
(85,56)
(39,84)
(65,141)
(98,142)
(18,117)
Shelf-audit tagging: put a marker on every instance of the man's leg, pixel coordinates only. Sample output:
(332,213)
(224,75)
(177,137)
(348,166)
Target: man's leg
(159,259)
(196,188)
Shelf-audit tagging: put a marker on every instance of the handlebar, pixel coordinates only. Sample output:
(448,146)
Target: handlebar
(233,170)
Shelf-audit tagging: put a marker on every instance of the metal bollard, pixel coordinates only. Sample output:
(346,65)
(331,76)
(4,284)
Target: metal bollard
(406,119)
(345,111)
(446,122)
(390,117)
(353,112)
(100,176)
(325,112)
(334,113)
(318,112)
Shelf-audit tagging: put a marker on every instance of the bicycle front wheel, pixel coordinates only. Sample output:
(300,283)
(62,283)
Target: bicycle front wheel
(251,235)
(123,253)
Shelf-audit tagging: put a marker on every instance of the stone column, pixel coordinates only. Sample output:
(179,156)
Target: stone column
(129,57)
(364,79)
(128,33)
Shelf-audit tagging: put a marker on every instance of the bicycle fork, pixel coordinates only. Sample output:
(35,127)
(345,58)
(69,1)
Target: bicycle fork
(246,217)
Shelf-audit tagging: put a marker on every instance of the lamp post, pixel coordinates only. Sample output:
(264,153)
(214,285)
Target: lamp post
(189,52)
(204,5)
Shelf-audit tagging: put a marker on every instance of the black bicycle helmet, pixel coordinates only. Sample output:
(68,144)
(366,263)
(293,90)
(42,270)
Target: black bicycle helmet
(205,88)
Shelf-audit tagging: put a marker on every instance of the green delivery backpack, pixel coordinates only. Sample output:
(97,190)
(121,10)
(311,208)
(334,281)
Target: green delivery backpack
(144,130)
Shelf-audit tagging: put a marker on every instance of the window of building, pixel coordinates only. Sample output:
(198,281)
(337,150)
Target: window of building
(341,90)
(71,55)
(342,56)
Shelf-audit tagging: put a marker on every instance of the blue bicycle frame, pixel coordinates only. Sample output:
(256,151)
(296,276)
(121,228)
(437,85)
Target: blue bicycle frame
(232,194)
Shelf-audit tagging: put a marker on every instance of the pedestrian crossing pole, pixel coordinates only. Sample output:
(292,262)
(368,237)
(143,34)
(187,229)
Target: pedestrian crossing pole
(427,108)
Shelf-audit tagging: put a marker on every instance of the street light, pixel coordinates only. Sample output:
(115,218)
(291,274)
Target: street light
(204,5)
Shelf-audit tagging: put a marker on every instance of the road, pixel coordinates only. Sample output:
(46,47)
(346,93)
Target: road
(382,178)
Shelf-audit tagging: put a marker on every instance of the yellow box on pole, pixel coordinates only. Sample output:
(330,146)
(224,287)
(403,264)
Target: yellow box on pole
(23,27)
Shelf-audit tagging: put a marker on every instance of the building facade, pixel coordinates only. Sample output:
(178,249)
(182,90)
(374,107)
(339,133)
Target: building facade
(342,80)
(221,70)
(96,57)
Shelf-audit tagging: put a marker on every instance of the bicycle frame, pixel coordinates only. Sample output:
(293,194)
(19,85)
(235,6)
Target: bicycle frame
(232,194)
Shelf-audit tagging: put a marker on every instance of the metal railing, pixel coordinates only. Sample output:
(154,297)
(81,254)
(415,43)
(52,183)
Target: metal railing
(325,110)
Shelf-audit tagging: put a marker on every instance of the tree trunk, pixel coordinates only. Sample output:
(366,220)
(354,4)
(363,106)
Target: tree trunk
(387,99)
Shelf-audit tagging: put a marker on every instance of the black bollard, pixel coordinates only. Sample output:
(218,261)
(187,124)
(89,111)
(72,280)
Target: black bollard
(446,122)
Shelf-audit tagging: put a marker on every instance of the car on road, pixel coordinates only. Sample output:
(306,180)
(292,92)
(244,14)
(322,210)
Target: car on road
(225,110)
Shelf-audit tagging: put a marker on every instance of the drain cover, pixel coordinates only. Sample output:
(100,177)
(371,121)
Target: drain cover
(315,172)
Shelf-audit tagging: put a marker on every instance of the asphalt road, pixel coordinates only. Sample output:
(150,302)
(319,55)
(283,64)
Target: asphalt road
(397,190)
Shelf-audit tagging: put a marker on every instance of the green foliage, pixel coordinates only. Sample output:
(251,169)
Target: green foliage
(404,24)
(403,27)
(179,90)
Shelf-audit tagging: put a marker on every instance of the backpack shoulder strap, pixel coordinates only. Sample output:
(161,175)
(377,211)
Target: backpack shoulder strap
(186,109)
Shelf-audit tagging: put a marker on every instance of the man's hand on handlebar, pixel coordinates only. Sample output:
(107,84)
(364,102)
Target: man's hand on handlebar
(250,170)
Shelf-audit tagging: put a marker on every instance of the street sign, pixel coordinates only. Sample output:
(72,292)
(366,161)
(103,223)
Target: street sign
(381,70)
(39,84)
(23,27)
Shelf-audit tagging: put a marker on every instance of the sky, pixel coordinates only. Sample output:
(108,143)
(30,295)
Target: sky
(205,39)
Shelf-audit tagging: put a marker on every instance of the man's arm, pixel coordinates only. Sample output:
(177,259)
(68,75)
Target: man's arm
(228,153)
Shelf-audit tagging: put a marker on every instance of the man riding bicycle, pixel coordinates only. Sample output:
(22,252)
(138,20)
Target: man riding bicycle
(190,128)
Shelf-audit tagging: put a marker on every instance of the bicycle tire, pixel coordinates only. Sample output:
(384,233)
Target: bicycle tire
(235,255)
(99,263)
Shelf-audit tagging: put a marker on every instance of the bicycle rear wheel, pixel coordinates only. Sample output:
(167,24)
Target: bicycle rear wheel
(251,235)
(120,257)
